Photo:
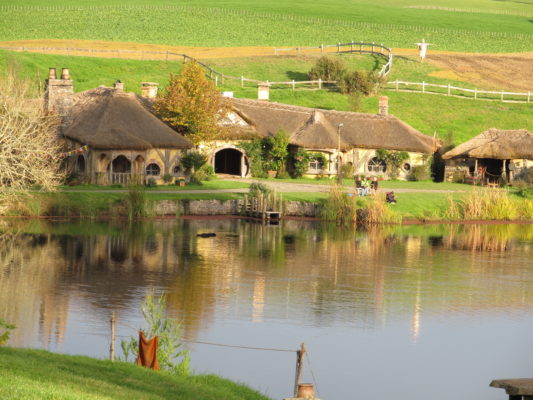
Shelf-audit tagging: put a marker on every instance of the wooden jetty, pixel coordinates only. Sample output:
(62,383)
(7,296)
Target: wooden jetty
(264,207)
(517,389)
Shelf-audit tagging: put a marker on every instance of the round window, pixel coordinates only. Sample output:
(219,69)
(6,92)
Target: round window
(406,167)
(377,166)
(153,169)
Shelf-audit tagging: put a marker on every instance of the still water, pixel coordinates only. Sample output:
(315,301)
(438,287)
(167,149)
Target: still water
(397,312)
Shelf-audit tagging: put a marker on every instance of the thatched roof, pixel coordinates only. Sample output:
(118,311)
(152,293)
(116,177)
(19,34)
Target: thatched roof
(498,144)
(109,119)
(317,129)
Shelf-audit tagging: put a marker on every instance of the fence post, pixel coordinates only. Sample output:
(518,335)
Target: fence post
(372,47)
(293,85)
(528,96)
(449,89)
(321,48)
(299,363)
(216,80)
(475,93)
(423,87)
(275,51)
(501,98)
(396,84)
(338,47)
(351,47)
(112,345)
(242,81)
(319,83)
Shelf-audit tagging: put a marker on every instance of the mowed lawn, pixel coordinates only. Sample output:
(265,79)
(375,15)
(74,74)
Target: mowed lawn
(505,28)
(35,374)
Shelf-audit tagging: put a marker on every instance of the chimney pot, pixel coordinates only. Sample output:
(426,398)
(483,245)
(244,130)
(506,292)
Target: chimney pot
(52,73)
(383,105)
(65,74)
(263,91)
(149,90)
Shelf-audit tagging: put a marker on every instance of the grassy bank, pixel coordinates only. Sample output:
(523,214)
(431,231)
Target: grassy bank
(280,22)
(31,374)
(430,114)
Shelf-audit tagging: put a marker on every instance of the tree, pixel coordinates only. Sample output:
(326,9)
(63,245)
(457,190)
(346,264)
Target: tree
(192,104)
(277,151)
(327,69)
(394,160)
(29,145)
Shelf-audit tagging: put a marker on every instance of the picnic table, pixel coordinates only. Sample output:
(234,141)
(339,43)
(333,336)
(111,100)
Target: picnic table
(517,389)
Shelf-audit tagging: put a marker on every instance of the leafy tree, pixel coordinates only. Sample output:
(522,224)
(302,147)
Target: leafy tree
(327,69)
(357,82)
(277,150)
(192,104)
(300,162)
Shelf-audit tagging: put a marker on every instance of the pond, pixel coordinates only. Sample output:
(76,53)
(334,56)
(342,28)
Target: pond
(405,312)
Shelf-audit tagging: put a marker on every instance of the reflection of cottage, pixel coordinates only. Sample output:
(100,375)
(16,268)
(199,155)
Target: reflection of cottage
(318,131)
(492,155)
(125,139)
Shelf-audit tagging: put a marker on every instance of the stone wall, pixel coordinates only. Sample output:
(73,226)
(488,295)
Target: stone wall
(224,207)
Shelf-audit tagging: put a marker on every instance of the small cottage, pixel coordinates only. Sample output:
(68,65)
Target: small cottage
(491,156)
(111,137)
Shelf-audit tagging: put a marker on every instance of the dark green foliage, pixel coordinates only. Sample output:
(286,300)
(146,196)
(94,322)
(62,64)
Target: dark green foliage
(151,182)
(254,150)
(300,162)
(256,188)
(277,151)
(357,82)
(167,178)
(205,173)
(327,69)
(193,160)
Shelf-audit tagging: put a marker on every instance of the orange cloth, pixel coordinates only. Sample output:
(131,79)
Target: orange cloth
(148,352)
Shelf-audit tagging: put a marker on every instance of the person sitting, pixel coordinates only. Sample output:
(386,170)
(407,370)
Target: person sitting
(358,186)
(374,184)
(365,183)
(390,198)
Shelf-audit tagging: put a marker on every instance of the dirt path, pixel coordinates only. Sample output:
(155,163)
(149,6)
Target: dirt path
(511,71)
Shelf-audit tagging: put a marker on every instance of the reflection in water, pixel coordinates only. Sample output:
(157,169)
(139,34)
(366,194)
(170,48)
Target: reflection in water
(301,274)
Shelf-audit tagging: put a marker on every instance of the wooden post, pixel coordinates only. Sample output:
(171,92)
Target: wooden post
(423,87)
(216,80)
(372,47)
(338,47)
(319,83)
(299,364)
(242,81)
(396,84)
(475,93)
(112,345)
(293,85)
(528,96)
(351,47)
(501,98)
(321,48)
(449,89)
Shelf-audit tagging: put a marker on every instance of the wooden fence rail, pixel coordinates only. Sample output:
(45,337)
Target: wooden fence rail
(449,90)
(351,47)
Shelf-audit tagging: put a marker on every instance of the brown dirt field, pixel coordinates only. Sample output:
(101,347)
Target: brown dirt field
(511,71)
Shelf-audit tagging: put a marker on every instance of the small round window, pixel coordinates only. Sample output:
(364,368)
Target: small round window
(153,169)
(406,167)
(177,170)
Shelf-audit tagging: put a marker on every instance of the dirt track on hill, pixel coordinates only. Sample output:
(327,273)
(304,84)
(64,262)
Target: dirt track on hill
(510,71)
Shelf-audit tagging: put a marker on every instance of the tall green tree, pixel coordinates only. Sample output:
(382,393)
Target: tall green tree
(192,104)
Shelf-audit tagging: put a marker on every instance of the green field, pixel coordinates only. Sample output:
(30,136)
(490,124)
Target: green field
(34,374)
(428,113)
(501,28)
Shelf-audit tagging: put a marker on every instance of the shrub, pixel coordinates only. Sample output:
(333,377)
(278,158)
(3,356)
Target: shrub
(136,202)
(167,178)
(205,173)
(300,162)
(151,182)
(193,161)
(357,82)
(327,69)
(277,150)
(256,188)
(419,173)
(347,170)
(255,152)
(394,160)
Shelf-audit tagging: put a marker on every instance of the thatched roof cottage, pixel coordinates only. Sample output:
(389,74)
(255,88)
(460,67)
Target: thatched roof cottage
(111,136)
(492,155)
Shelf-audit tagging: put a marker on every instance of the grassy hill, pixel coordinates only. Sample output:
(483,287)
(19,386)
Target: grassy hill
(470,25)
(428,113)
(32,374)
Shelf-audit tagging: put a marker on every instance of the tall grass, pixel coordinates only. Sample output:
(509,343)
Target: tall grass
(377,211)
(339,207)
(494,204)
(135,202)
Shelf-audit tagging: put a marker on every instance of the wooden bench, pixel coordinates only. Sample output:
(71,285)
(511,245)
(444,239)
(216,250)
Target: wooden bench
(517,389)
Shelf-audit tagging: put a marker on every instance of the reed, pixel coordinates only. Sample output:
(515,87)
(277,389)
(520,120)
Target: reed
(377,211)
(339,207)
(135,202)
(495,204)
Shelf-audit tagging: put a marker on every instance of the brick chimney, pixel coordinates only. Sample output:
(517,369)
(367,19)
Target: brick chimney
(149,90)
(383,105)
(58,92)
(263,91)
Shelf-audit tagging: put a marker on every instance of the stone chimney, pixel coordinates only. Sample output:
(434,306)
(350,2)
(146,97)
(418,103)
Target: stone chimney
(149,90)
(383,105)
(58,92)
(263,91)
(118,85)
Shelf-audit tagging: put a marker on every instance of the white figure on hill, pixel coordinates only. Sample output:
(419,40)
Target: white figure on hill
(422,49)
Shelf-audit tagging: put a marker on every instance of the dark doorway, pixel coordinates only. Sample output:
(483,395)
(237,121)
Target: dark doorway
(228,161)
(80,165)
(121,165)
(493,168)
